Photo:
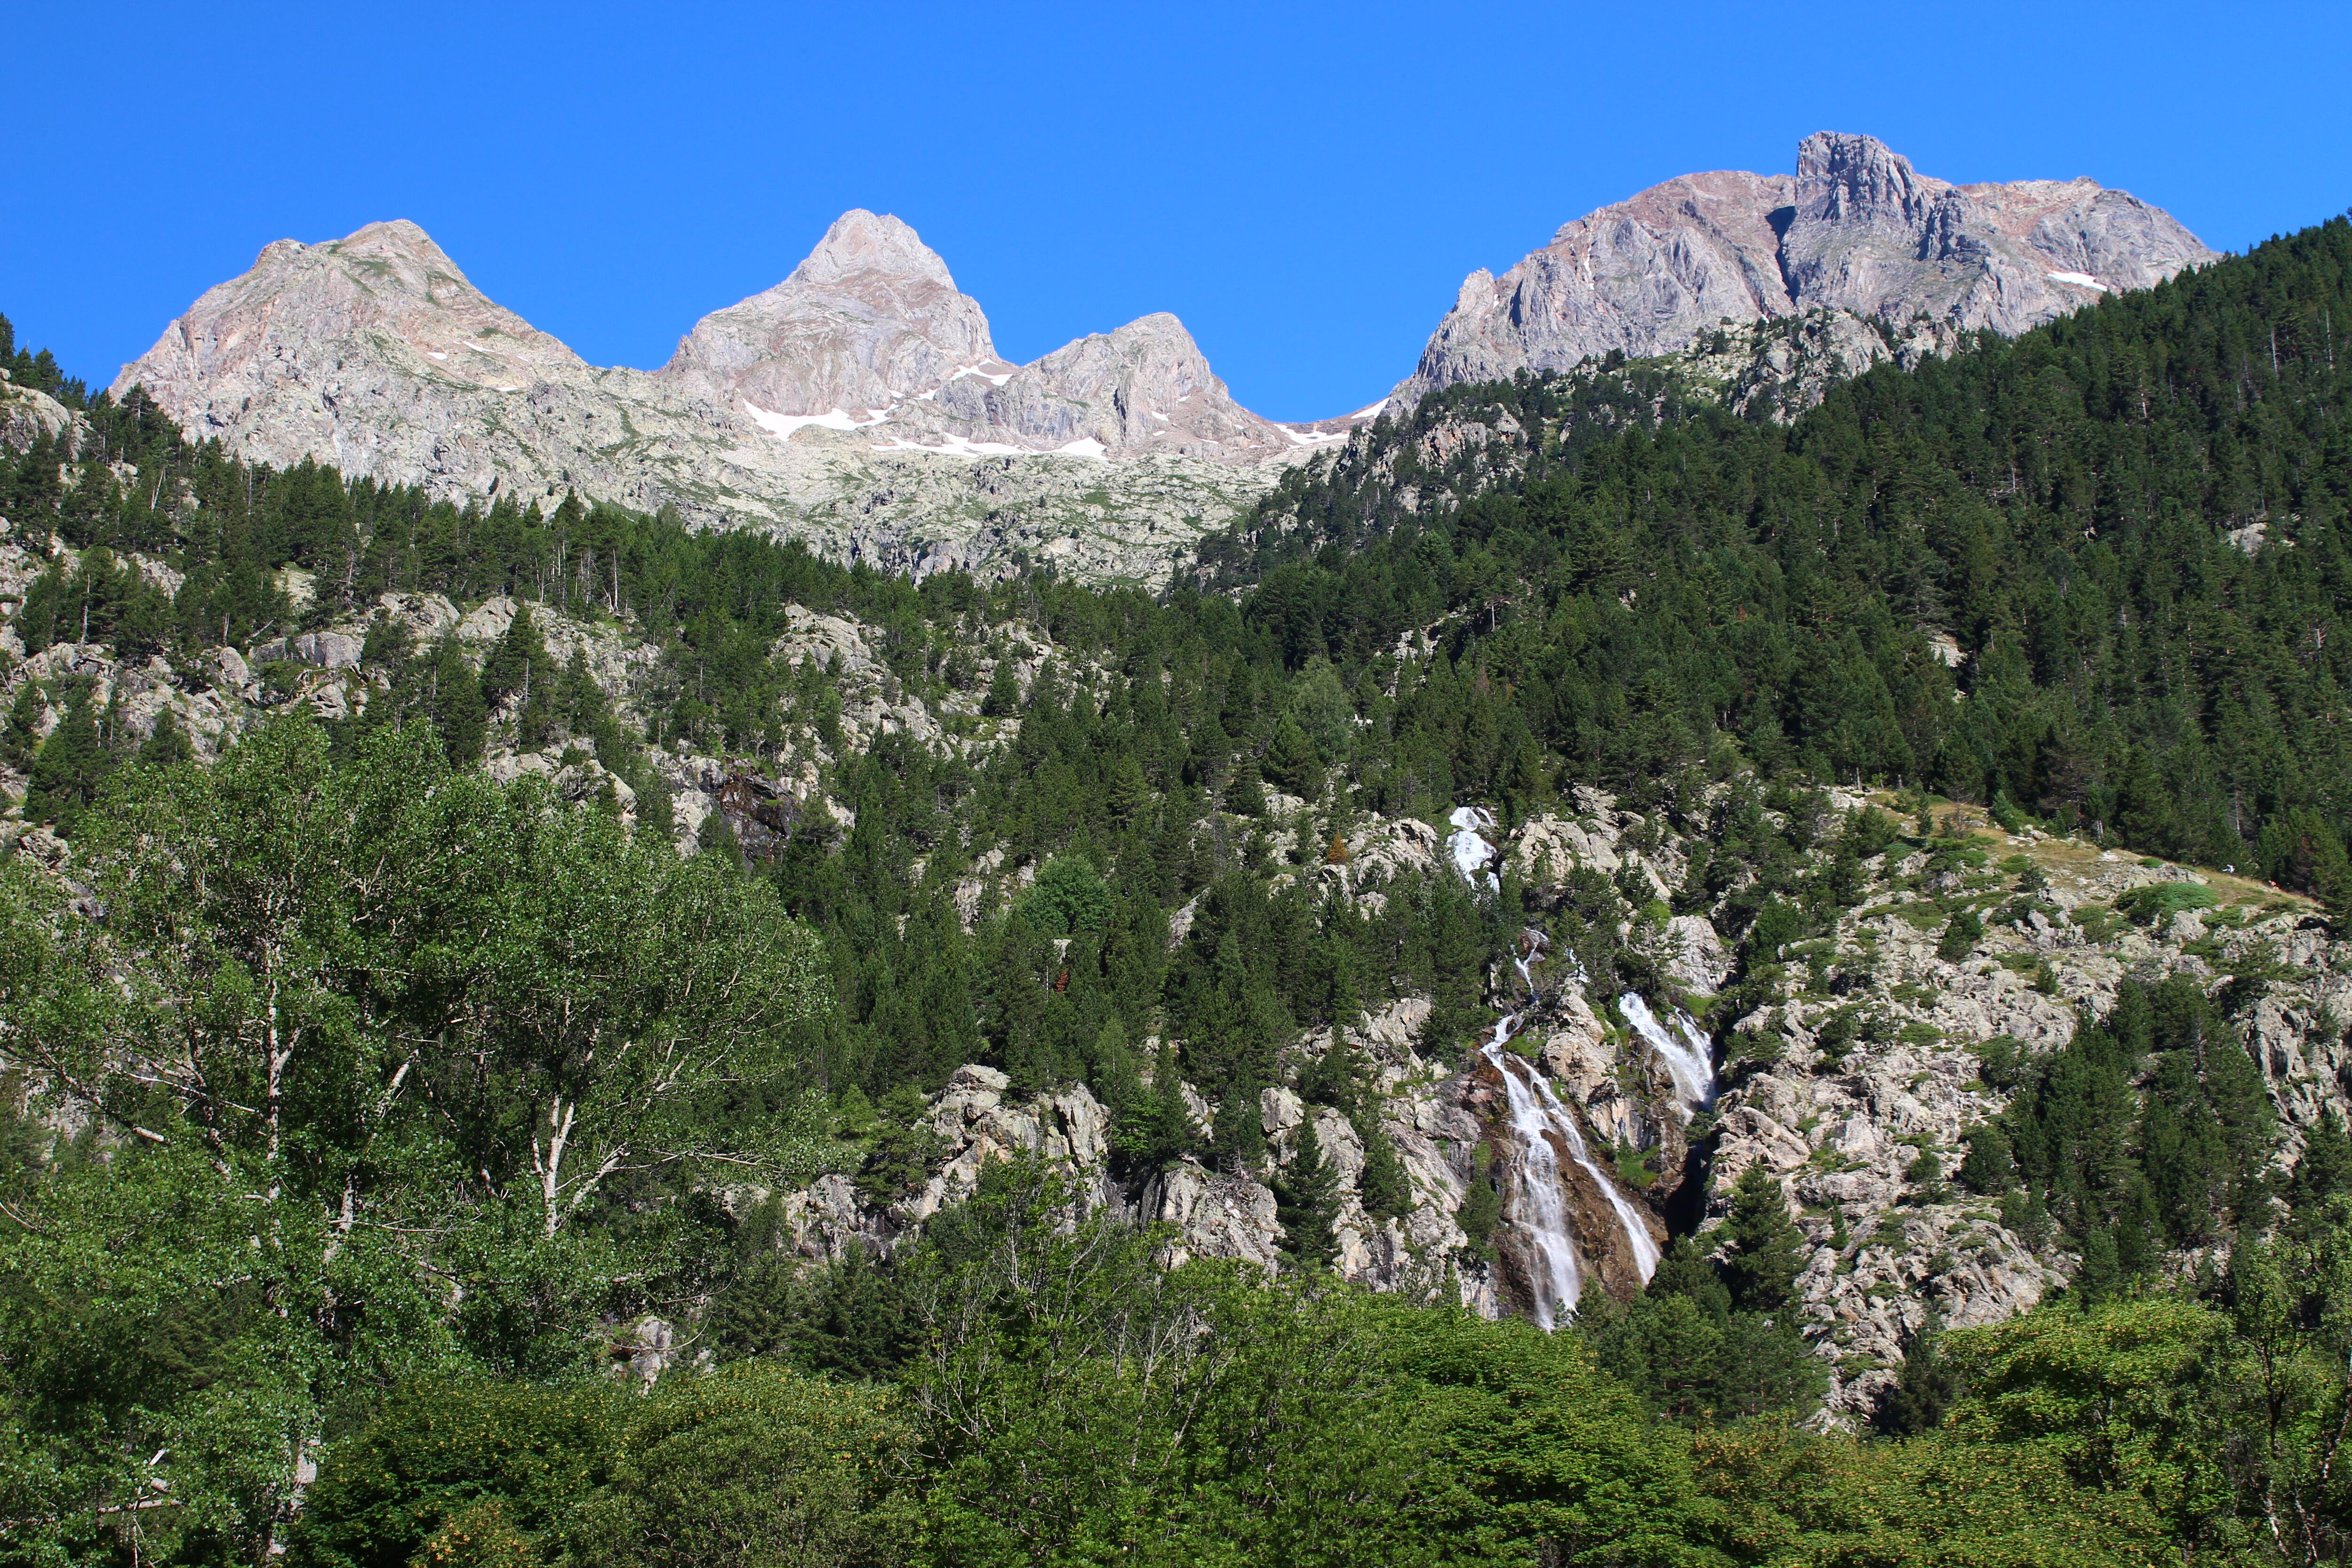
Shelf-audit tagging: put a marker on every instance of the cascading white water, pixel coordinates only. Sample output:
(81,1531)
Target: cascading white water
(1536,1115)
(1683,1048)
(1469,847)
(1542,1208)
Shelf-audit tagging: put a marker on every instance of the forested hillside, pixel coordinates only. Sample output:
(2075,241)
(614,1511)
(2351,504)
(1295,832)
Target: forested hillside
(2127,524)
(533,1034)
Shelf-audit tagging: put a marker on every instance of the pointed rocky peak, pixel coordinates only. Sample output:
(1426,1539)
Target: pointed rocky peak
(862,242)
(385,290)
(1143,389)
(871,320)
(1859,179)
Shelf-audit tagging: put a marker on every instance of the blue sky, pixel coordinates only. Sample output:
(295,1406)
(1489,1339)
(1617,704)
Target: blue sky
(1305,186)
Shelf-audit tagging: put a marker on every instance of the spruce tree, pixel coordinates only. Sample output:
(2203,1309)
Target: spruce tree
(22,736)
(1306,1203)
(67,770)
(1924,1385)
(1763,1249)
(166,745)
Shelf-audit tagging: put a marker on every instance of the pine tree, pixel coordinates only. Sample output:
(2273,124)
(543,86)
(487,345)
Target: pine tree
(1291,762)
(166,745)
(717,836)
(1762,1253)
(1306,1203)
(1924,1385)
(2323,1172)
(518,662)
(1003,698)
(1129,794)
(458,708)
(68,770)
(22,736)
(1990,1168)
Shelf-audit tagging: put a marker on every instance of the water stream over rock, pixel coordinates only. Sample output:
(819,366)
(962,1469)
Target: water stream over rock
(1682,1047)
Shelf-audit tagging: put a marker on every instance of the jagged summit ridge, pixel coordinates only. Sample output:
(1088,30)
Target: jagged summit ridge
(860,405)
(1857,229)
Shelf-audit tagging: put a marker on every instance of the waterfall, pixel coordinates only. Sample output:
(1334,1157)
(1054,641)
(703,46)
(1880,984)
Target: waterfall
(1472,853)
(1683,1048)
(1543,1124)
(1538,1116)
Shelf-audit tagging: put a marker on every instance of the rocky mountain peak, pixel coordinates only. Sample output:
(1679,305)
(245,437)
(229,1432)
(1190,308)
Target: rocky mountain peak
(1859,179)
(291,318)
(1857,233)
(869,321)
(861,242)
(1144,389)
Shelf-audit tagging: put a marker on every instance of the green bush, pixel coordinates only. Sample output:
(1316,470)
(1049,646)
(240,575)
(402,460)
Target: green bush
(1961,934)
(2156,904)
(753,1465)
(438,1449)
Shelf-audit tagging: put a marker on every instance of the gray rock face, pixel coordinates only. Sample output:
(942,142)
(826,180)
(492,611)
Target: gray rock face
(1856,230)
(859,406)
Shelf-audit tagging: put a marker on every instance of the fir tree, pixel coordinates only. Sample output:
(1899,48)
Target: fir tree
(166,745)
(22,736)
(1306,1203)
(68,770)
(1762,1249)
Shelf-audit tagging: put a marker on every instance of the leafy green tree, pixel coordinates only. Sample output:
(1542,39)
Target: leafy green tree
(398,1034)
(1270,1427)
(1067,897)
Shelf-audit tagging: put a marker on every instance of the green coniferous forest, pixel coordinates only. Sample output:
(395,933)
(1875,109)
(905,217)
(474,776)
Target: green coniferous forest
(366,1113)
